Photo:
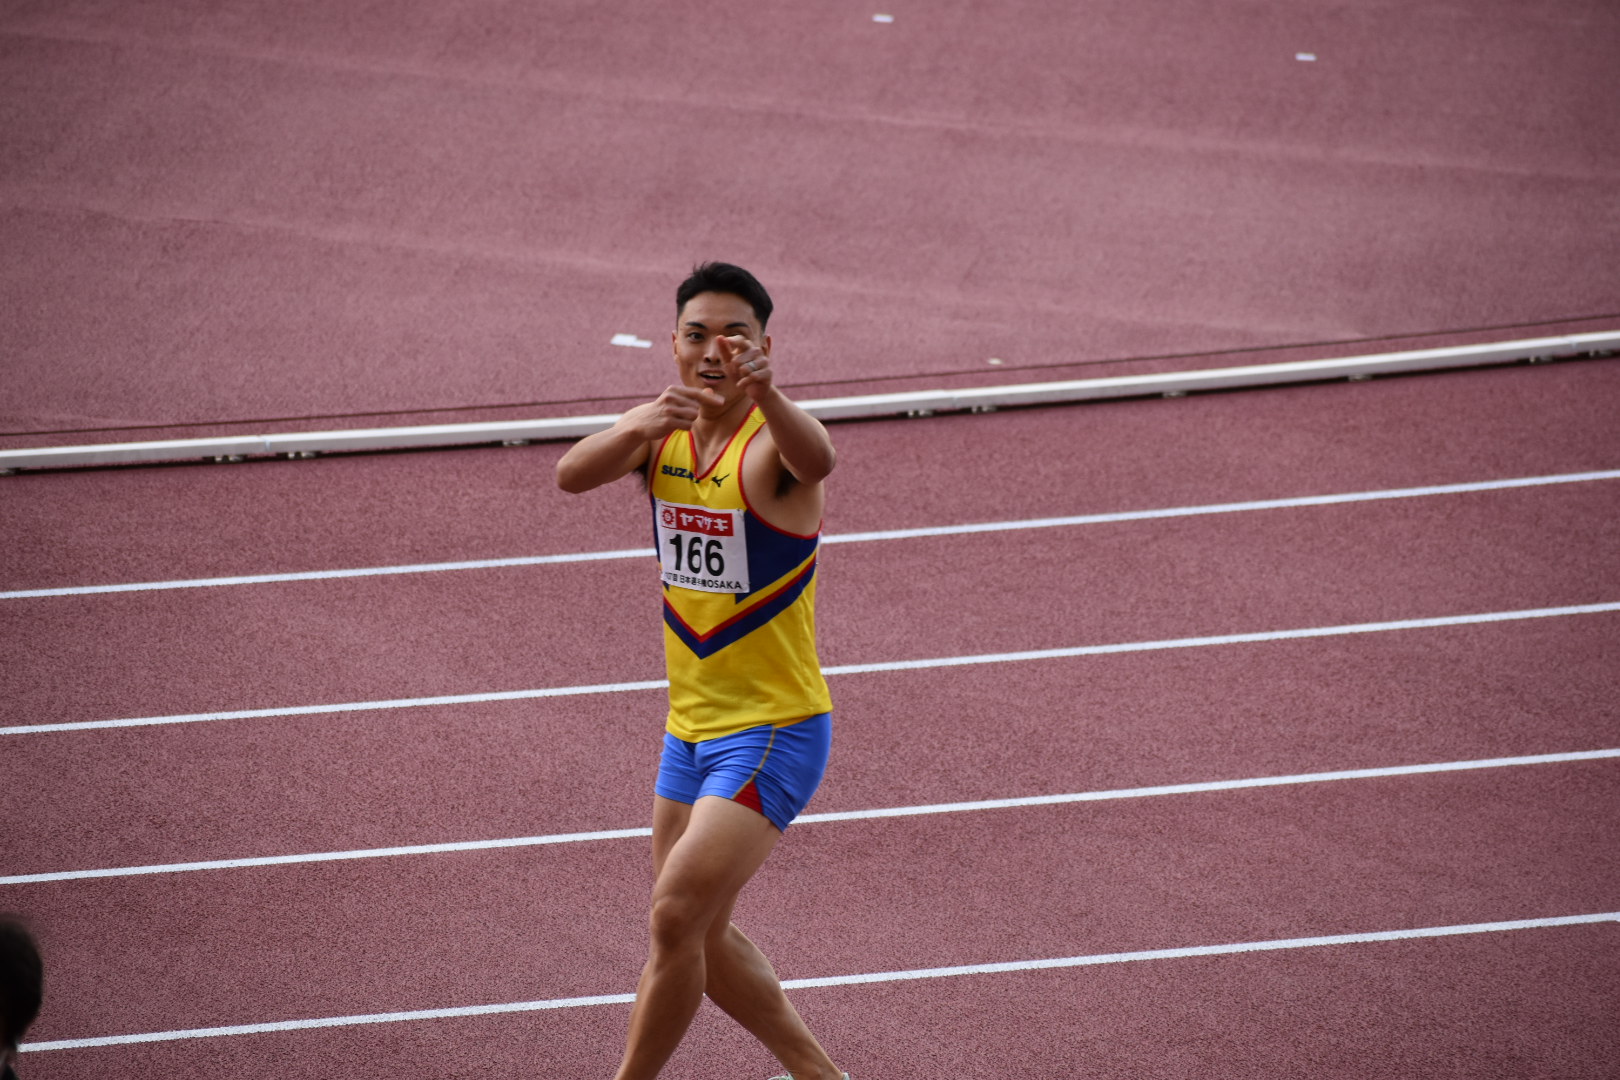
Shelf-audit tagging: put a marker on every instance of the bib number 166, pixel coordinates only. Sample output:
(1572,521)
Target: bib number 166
(701,555)
(702,548)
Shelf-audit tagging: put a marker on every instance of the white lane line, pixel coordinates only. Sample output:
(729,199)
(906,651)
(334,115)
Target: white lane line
(1222,639)
(1210,785)
(323,575)
(328,856)
(839,669)
(841,815)
(1223,508)
(1006,967)
(844,538)
(1203,950)
(332,1021)
(347,706)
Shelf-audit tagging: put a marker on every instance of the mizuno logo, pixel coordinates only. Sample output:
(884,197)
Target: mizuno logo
(719,479)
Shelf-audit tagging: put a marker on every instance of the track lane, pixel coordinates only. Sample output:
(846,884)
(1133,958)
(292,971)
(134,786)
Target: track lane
(835,539)
(1506,1004)
(485,927)
(267,517)
(250,788)
(310,643)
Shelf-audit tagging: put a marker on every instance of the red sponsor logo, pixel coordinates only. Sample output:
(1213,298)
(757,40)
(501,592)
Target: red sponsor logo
(698,521)
(669,517)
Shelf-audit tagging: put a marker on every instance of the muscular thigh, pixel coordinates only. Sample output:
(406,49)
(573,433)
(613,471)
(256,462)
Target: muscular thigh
(669,822)
(718,848)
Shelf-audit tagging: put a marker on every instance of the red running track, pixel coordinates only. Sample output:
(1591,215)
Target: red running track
(161,952)
(217,214)
(371,511)
(312,214)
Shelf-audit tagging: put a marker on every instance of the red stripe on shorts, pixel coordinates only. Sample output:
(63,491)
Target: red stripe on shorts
(749,797)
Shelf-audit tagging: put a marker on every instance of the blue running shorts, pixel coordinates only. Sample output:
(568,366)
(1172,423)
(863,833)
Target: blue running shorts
(773,770)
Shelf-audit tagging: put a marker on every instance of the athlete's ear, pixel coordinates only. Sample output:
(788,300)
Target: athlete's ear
(765,345)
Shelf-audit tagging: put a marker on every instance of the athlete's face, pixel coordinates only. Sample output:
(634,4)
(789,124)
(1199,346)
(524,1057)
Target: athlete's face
(706,318)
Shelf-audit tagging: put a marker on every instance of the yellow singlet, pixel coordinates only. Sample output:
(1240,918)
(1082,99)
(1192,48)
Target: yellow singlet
(739,597)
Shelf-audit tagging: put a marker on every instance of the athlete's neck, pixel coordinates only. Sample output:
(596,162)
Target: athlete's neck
(710,433)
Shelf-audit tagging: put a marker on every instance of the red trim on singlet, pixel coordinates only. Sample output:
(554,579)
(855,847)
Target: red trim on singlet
(652,462)
(691,446)
(763,598)
(742,489)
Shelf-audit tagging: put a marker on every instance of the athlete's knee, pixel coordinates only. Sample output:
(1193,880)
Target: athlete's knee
(679,920)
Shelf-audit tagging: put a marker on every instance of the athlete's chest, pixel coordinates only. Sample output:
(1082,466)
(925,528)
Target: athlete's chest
(679,479)
(700,514)
(710,473)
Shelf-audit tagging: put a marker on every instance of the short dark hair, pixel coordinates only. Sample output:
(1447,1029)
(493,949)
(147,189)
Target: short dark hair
(22,978)
(725,278)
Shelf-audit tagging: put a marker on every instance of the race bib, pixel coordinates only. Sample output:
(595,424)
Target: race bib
(701,548)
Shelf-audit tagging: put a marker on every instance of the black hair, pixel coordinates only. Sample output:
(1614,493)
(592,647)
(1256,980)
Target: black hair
(725,278)
(22,979)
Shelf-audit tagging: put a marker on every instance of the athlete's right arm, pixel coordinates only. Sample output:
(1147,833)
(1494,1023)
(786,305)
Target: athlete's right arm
(627,445)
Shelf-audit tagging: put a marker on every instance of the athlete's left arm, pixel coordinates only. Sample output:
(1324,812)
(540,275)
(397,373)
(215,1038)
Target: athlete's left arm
(802,444)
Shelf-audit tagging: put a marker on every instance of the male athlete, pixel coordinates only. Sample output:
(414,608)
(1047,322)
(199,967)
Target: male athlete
(734,470)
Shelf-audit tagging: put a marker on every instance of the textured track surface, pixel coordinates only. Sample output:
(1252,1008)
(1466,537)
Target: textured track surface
(222,212)
(177,946)
(315,213)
